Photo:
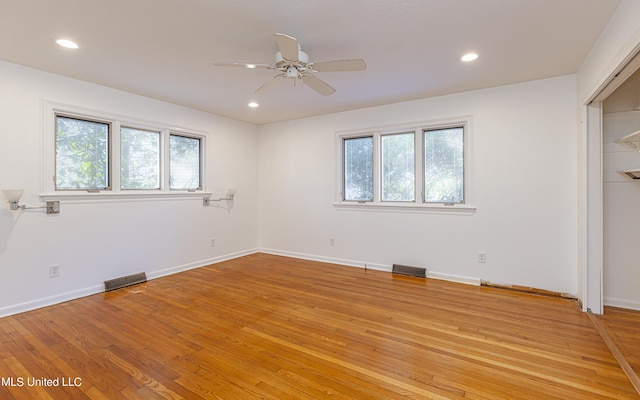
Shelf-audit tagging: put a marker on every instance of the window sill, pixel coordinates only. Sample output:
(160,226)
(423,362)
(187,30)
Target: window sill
(456,209)
(108,196)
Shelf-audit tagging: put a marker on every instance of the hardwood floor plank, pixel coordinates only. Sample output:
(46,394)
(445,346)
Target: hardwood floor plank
(431,393)
(615,350)
(270,327)
(624,327)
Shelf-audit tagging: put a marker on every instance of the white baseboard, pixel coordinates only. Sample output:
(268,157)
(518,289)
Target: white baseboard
(622,303)
(76,294)
(311,257)
(49,301)
(366,264)
(467,280)
(198,264)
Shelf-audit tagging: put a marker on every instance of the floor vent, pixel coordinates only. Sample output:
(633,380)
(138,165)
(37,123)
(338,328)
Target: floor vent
(410,271)
(124,281)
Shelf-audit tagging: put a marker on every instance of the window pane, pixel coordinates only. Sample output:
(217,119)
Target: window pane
(398,168)
(444,165)
(358,169)
(139,159)
(184,160)
(82,154)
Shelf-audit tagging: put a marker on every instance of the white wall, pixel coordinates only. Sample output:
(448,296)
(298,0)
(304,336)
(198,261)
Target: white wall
(95,241)
(525,184)
(621,213)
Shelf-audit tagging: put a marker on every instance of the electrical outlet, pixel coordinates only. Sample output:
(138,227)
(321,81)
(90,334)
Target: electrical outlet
(205,201)
(332,242)
(213,242)
(54,271)
(482,257)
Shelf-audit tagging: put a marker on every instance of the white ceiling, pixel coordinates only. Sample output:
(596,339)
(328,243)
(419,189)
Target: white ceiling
(164,48)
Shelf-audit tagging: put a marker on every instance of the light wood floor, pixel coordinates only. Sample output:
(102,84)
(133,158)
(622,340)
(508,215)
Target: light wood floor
(624,328)
(268,327)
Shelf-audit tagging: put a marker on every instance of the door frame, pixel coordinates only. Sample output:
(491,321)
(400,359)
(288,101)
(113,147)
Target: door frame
(591,241)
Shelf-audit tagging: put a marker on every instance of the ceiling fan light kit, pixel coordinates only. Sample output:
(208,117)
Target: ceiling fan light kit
(293,63)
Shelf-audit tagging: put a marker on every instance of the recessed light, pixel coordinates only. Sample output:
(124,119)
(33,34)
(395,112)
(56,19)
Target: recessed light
(69,44)
(251,65)
(469,57)
(253,104)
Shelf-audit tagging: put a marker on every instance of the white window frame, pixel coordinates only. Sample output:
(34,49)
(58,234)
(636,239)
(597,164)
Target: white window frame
(167,157)
(48,187)
(416,166)
(342,160)
(160,157)
(418,205)
(110,126)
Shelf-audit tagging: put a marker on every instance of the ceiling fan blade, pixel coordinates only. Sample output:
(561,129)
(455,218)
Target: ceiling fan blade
(318,85)
(269,85)
(356,64)
(288,46)
(226,64)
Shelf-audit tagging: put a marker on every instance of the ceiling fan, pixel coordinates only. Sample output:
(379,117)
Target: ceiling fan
(293,63)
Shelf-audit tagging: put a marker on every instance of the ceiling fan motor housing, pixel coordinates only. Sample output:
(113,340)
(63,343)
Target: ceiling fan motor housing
(303,58)
(293,73)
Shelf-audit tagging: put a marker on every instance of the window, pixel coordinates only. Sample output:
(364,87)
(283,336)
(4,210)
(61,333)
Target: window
(82,154)
(358,164)
(139,159)
(184,163)
(92,152)
(444,165)
(398,167)
(426,166)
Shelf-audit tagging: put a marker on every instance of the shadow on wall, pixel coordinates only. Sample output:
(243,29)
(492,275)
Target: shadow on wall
(7,222)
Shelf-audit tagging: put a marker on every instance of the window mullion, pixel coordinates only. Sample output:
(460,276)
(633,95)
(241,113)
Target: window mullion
(377,166)
(419,166)
(115,154)
(203,163)
(164,161)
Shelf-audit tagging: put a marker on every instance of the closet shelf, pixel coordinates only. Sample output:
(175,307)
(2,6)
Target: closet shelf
(632,140)
(632,173)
